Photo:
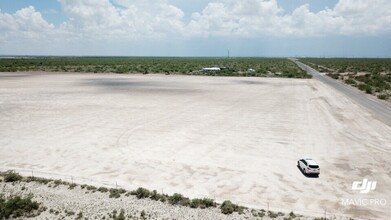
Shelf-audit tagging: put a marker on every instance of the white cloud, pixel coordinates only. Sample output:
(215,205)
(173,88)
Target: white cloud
(128,20)
(362,16)
(251,18)
(135,19)
(25,23)
(241,18)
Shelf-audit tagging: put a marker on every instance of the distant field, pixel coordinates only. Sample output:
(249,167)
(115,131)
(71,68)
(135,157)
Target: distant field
(370,75)
(264,67)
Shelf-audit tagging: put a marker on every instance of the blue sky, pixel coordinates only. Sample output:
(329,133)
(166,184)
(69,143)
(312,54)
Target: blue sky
(319,28)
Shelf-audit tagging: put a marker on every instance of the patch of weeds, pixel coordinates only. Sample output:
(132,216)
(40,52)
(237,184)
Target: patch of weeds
(57,183)
(143,214)
(121,191)
(383,96)
(92,188)
(140,193)
(227,207)
(121,215)
(275,214)
(116,193)
(206,203)
(155,196)
(79,216)
(40,180)
(202,203)
(103,189)
(262,213)
(69,213)
(292,215)
(16,207)
(11,176)
(178,199)
(72,186)
(195,203)
(163,198)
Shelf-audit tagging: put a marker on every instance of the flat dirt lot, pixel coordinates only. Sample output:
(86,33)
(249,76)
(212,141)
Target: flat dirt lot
(218,137)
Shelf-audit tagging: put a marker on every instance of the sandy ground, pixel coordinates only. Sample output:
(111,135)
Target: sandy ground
(219,137)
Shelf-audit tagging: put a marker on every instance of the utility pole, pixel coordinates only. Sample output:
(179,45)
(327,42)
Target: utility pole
(228,53)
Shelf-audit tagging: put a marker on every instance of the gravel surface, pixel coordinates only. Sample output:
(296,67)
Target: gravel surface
(224,138)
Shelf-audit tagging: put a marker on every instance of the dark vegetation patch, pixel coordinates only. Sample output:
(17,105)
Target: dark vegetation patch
(11,176)
(19,207)
(16,206)
(259,67)
(372,76)
(227,207)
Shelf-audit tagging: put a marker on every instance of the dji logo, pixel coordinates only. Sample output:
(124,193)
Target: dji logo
(364,186)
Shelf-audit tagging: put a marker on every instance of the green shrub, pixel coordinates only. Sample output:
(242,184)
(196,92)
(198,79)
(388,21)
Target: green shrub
(205,202)
(38,180)
(121,191)
(58,182)
(163,198)
(103,189)
(227,207)
(79,216)
(121,215)
(93,188)
(72,186)
(11,176)
(69,213)
(273,214)
(261,214)
(155,196)
(143,214)
(141,193)
(382,96)
(114,193)
(368,89)
(350,81)
(202,203)
(178,199)
(195,203)
(333,75)
(365,87)
(291,214)
(16,207)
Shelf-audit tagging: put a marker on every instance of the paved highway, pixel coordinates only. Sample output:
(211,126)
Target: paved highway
(378,109)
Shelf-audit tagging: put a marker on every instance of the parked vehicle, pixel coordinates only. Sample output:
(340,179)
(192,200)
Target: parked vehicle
(308,166)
